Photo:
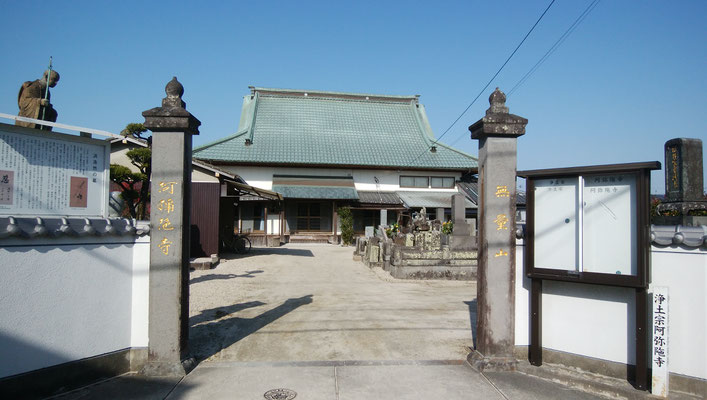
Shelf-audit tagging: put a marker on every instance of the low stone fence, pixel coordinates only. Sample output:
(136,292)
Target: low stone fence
(420,255)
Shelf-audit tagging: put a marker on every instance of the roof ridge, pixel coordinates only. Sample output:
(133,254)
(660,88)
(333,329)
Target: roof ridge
(333,93)
(423,131)
(224,139)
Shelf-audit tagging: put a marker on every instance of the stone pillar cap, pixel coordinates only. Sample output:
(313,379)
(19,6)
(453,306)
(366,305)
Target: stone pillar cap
(173,115)
(498,121)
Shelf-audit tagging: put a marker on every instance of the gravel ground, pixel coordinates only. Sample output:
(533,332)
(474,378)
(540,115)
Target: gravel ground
(314,303)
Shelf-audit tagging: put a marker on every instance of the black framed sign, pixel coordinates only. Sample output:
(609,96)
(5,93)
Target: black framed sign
(589,224)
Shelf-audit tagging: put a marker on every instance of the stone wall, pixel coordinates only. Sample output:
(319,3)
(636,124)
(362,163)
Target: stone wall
(419,255)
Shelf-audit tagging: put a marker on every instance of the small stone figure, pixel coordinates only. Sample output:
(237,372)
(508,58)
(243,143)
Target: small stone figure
(420,222)
(33,100)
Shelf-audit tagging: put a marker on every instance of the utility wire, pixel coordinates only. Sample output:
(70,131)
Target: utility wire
(550,51)
(555,46)
(488,83)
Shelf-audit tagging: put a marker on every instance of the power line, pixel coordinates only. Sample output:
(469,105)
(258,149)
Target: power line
(488,83)
(550,51)
(555,46)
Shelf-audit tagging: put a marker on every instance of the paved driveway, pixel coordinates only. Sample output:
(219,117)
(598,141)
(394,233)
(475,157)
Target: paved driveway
(314,303)
(309,319)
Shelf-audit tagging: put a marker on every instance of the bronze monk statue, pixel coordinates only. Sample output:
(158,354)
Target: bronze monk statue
(32,102)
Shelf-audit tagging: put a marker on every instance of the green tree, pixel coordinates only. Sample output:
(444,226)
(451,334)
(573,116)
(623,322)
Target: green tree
(127,180)
(136,196)
(347,232)
(135,130)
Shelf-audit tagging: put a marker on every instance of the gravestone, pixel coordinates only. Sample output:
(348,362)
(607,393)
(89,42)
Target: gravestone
(461,238)
(497,133)
(684,181)
(168,327)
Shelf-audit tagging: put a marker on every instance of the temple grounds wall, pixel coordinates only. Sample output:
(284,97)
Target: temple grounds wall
(67,300)
(596,322)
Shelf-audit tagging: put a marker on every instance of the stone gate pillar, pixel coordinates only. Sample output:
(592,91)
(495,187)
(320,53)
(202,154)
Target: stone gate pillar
(172,126)
(497,133)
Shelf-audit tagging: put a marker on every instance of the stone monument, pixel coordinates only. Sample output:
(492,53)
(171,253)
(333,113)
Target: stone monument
(168,327)
(684,183)
(497,133)
(33,100)
(461,238)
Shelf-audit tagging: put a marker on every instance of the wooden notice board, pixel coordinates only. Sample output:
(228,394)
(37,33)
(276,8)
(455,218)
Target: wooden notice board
(589,225)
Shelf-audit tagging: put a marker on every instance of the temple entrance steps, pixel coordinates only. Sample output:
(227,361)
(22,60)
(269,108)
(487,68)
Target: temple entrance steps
(312,238)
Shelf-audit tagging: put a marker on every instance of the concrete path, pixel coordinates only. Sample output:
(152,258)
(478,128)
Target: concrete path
(333,381)
(309,319)
(314,303)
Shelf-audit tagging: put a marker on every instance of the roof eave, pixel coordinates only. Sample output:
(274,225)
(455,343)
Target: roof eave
(342,166)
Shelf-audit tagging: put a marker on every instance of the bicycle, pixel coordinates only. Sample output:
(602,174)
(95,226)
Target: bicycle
(240,244)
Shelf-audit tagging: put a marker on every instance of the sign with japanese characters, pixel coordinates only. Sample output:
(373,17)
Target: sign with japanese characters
(609,224)
(52,174)
(589,224)
(659,345)
(586,223)
(557,223)
(163,212)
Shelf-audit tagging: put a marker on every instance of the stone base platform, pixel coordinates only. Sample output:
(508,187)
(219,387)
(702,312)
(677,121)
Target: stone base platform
(451,272)
(203,263)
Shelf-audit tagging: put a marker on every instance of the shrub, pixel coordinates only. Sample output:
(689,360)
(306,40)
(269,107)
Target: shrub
(448,227)
(392,230)
(347,233)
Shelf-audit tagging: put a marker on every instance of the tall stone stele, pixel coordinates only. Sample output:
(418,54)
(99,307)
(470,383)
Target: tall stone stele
(497,134)
(172,128)
(684,180)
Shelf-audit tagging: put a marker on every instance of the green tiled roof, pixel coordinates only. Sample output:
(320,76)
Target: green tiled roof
(316,192)
(379,198)
(289,127)
(430,199)
(315,187)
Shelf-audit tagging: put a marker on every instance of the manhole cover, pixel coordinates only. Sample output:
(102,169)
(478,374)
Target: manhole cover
(280,394)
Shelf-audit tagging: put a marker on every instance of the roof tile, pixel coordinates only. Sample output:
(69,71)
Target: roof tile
(290,128)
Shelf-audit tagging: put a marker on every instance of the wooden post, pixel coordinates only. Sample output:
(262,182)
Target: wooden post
(535,352)
(335,216)
(265,228)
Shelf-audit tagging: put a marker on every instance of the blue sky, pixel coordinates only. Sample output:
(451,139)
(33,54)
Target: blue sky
(628,79)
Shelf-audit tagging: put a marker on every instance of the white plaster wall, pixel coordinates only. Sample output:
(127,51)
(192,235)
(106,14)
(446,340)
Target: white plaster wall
(66,299)
(389,180)
(201,176)
(364,179)
(597,321)
(120,157)
(684,272)
(260,177)
(140,293)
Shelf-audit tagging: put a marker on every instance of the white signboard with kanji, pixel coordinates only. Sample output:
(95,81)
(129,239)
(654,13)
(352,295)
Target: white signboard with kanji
(659,345)
(609,228)
(556,224)
(52,174)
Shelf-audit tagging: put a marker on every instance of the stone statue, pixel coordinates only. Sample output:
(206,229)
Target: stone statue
(32,102)
(420,222)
